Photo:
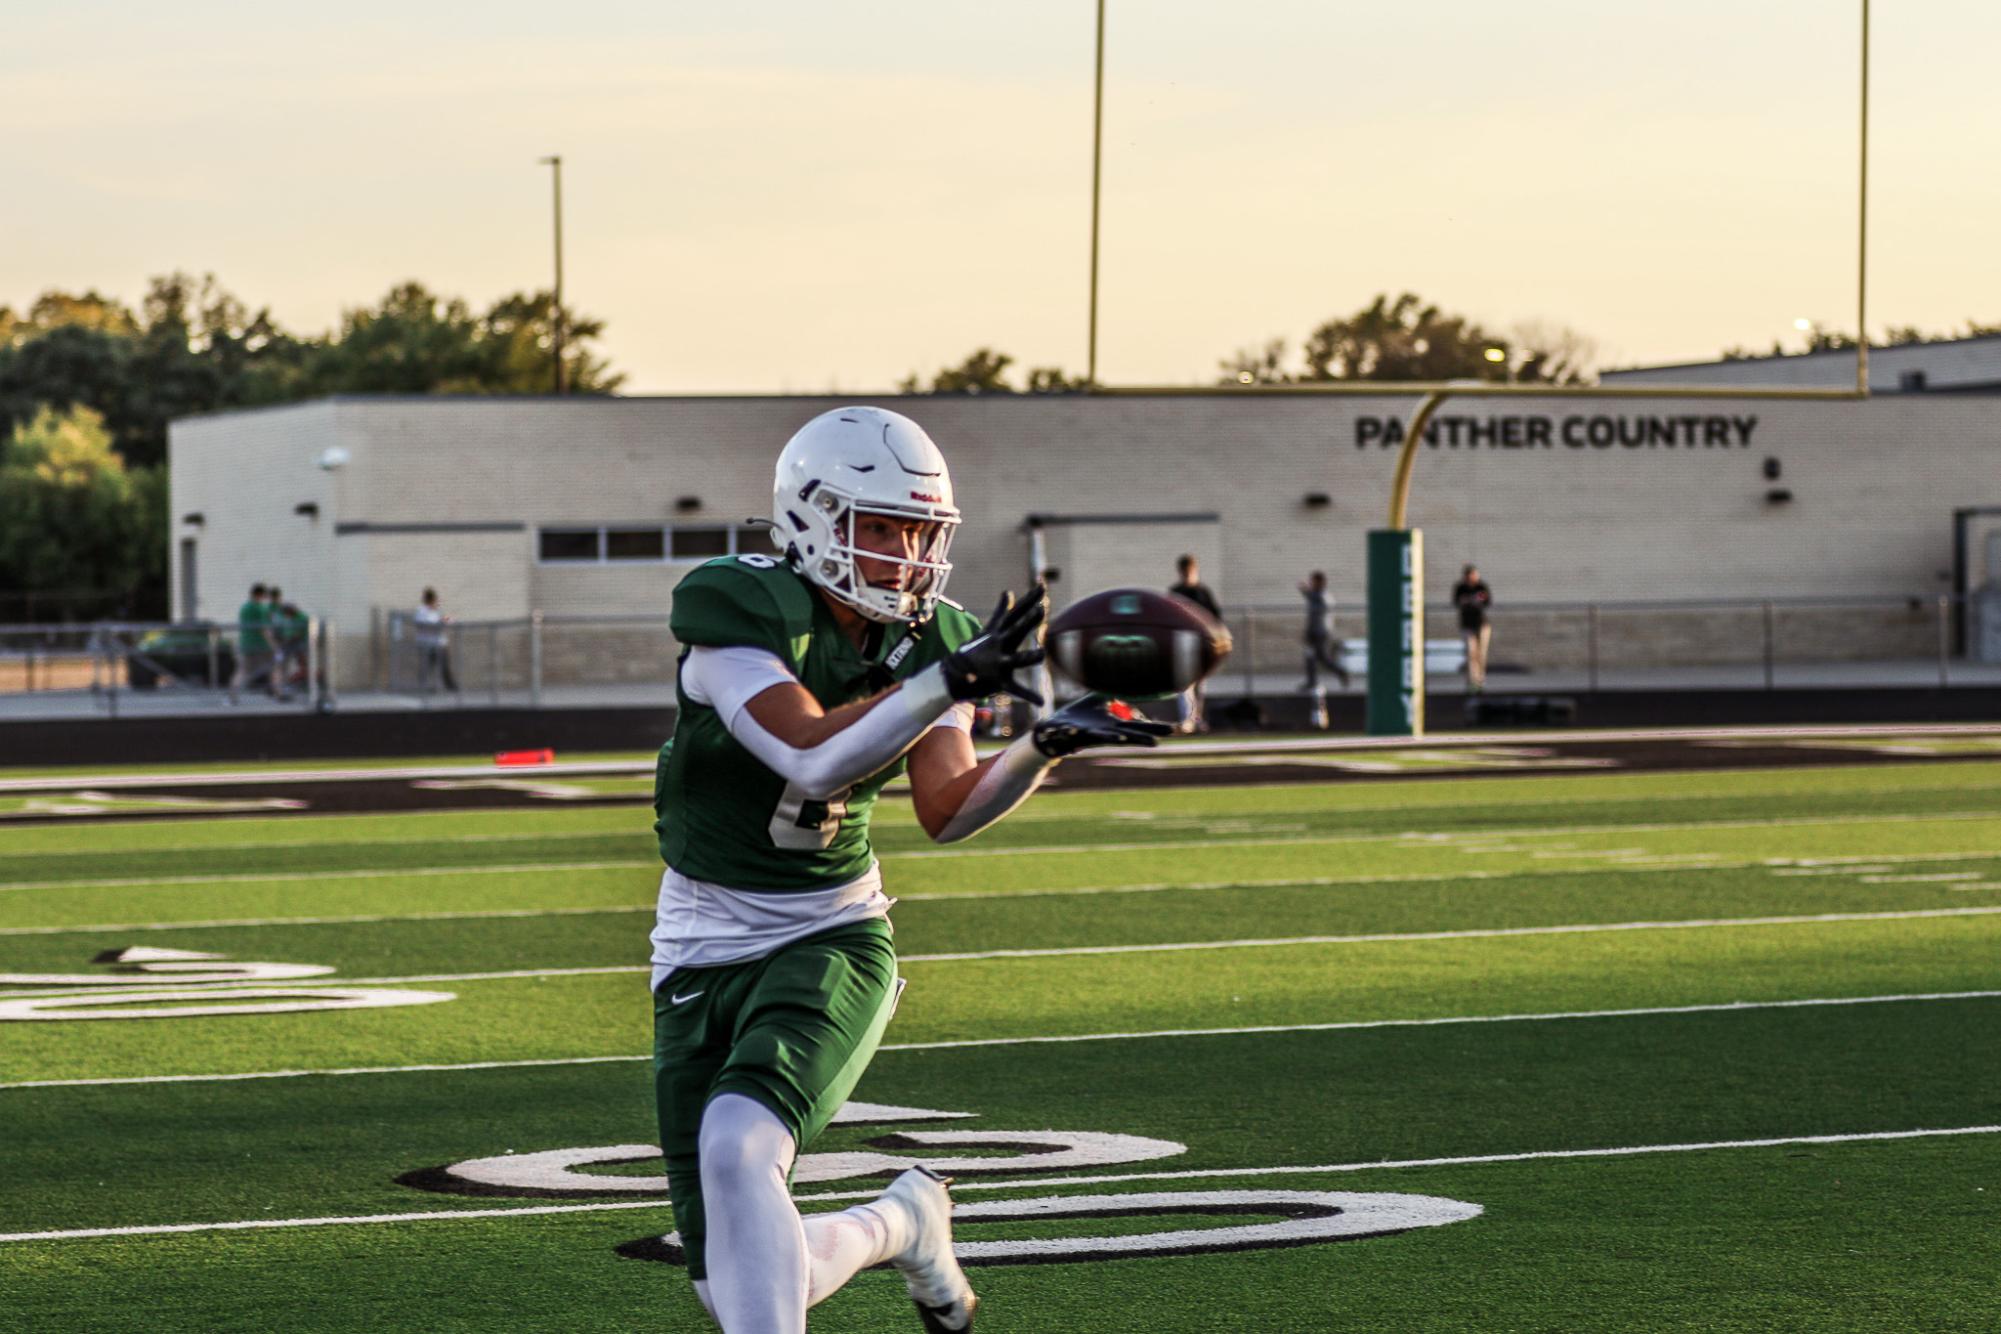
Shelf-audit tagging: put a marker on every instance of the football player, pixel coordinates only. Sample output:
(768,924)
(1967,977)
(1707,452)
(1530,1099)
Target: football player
(807,681)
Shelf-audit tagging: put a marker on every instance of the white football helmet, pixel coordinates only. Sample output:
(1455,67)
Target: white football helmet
(864,461)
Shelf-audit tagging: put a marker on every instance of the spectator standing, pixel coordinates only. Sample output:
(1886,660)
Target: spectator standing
(254,656)
(288,635)
(1472,596)
(433,644)
(1323,650)
(1194,590)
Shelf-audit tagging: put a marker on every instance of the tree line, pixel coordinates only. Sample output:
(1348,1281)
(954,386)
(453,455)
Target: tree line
(1401,338)
(1392,338)
(89,383)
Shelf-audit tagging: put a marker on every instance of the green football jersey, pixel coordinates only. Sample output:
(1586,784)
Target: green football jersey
(722,816)
(251,618)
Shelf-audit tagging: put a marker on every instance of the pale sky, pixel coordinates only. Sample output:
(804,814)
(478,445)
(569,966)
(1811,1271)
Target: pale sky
(797,196)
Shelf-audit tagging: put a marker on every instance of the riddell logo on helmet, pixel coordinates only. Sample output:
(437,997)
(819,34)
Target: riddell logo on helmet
(929,500)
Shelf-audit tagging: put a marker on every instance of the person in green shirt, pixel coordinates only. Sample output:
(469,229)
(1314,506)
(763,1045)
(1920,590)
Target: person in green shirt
(288,641)
(255,649)
(807,680)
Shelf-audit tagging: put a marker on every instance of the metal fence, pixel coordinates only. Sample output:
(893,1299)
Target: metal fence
(537,661)
(1752,643)
(122,669)
(119,668)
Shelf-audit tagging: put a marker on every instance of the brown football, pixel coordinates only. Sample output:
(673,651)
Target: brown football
(1133,643)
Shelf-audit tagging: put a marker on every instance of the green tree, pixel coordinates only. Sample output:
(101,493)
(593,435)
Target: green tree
(192,347)
(1408,338)
(519,330)
(1821,339)
(79,522)
(1257,365)
(985,372)
(416,342)
(1405,338)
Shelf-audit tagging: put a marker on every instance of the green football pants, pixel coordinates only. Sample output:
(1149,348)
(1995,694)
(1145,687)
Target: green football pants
(793,1030)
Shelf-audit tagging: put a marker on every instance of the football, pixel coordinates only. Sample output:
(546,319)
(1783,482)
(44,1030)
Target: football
(1133,643)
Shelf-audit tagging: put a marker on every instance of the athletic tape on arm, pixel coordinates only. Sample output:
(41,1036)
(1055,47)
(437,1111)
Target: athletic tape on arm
(727,679)
(1008,781)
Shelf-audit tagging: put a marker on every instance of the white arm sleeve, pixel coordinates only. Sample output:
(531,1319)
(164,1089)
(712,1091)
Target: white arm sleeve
(1007,783)
(727,679)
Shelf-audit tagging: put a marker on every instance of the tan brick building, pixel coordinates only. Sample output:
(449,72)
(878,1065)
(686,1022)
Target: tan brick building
(508,506)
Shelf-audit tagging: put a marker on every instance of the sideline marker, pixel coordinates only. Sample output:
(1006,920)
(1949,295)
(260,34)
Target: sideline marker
(515,759)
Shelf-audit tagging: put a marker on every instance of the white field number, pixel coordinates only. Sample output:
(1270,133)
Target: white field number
(1284,1217)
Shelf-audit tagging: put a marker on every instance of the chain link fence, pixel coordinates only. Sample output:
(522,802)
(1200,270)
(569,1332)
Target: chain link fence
(1771,643)
(116,668)
(119,668)
(539,661)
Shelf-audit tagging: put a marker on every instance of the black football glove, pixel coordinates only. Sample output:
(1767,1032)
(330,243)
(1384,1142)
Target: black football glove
(1096,720)
(986,665)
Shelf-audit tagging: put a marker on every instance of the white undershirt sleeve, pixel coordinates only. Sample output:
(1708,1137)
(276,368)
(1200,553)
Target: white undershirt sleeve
(1008,781)
(727,679)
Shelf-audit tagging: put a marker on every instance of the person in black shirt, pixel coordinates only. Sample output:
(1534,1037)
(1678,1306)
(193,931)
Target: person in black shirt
(1472,596)
(1194,590)
(1322,649)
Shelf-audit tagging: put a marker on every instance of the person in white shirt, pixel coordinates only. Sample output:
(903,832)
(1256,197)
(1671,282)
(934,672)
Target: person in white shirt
(433,644)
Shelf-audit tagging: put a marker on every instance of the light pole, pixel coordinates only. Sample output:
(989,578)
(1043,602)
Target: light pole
(555,165)
(1097,158)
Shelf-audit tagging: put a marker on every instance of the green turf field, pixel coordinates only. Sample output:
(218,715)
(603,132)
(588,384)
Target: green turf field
(1584,1052)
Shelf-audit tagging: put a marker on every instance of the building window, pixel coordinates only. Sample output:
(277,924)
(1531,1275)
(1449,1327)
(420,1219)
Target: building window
(1911,382)
(701,543)
(564,545)
(648,544)
(634,544)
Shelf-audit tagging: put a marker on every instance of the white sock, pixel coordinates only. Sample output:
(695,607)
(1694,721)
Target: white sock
(839,1246)
(708,1302)
(756,1245)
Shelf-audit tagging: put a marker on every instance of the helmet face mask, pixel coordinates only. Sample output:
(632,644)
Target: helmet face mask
(854,462)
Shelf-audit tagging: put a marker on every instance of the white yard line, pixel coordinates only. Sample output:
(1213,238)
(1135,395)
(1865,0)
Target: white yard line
(1448,838)
(178,849)
(447,1067)
(1477,933)
(247,777)
(360,918)
(1725,1007)
(1781,866)
(1137,797)
(1165,947)
(1475,837)
(1463,1160)
(1035,1183)
(307,873)
(191,989)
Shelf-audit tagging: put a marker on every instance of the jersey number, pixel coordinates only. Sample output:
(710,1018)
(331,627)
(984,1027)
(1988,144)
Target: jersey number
(801,824)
